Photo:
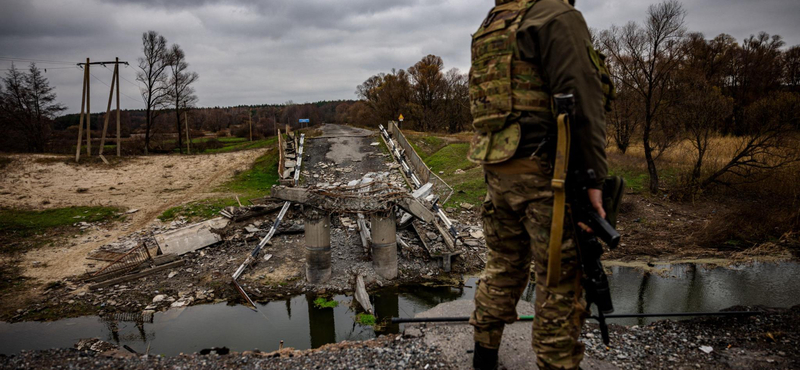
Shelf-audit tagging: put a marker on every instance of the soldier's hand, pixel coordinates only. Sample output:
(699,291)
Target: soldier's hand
(596,198)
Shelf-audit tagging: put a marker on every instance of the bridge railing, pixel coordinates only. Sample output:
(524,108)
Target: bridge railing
(425,175)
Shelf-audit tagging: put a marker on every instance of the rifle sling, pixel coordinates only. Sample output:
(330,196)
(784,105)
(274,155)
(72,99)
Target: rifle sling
(559,201)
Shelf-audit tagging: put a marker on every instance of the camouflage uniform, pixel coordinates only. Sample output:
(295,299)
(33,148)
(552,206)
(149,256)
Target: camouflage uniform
(516,221)
(550,52)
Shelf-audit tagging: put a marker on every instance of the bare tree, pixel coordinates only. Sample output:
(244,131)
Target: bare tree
(455,106)
(702,111)
(181,93)
(29,106)
(428,83)
(755,71)
(153,75)
(626,114)
(646,57)
(387,95)
(768,145)
(791,68)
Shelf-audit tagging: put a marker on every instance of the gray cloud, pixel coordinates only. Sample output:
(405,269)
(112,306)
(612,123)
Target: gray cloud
(253,52)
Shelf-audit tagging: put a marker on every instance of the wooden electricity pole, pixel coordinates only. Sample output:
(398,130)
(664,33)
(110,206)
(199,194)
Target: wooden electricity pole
(250,118)
(86,97)
(83,106)
(119,142)
(108,113)
(88,113)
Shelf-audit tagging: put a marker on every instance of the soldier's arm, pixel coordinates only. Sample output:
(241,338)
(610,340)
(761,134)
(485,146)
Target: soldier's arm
(556,35)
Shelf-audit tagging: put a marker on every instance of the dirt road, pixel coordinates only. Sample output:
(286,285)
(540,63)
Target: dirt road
(150,184)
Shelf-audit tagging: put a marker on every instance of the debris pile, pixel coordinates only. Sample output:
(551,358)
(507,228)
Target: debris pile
(439,236)
(290,156)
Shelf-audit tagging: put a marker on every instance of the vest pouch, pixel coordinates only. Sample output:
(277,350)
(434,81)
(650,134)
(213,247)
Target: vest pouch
(495,147)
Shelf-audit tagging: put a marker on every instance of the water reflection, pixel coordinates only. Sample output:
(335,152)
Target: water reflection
(689,288)
(301,325)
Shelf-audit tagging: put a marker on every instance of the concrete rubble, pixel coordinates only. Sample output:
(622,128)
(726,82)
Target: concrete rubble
(192,237)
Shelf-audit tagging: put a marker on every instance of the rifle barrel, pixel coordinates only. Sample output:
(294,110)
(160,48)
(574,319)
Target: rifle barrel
(403,320)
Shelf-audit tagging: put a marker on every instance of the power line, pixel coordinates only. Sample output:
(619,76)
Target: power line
(135,84)
(45,68)
(15,59)
(129,81)
(123,94)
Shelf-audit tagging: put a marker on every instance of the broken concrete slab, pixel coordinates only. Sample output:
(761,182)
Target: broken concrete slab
(423,191)
(192,237)
(361,295)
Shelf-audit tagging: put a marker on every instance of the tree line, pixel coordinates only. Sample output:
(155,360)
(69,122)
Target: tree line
(30,121)
(167,83)
(675,86)
(27,108)
(429,98)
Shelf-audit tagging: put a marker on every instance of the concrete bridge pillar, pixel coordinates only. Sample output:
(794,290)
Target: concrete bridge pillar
(384,244)
(318,246)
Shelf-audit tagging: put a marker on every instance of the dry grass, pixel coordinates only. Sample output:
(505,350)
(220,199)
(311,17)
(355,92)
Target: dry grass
(676,163)
(761,211)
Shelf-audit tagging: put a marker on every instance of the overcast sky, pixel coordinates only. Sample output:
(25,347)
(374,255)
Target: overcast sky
(256,52)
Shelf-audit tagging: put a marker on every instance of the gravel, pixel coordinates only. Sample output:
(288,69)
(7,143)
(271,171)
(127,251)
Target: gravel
(767,341)
(386,352)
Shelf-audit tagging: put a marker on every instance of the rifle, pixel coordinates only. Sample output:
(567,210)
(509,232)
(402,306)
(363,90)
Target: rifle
(580,209)
(594,279)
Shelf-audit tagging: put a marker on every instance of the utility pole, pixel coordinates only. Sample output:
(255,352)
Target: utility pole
(108,113)
(83,106)
(119,143)
(88,112)
(86,98)
(250,118)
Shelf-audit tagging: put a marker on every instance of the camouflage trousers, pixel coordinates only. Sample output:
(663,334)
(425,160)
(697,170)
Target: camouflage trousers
(516,220)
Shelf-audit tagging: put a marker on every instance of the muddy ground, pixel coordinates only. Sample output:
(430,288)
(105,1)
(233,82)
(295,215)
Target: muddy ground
(150,185)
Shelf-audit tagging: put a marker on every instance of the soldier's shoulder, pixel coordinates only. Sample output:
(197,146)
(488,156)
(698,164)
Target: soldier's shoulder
(545,10)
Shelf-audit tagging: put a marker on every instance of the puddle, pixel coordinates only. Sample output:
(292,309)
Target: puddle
(693,288)
(679,288)
(296,321)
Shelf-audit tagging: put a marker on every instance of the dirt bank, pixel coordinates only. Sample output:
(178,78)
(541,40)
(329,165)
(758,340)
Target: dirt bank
(148,184)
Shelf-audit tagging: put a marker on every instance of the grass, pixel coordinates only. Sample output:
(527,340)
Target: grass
(203,209)
(253,183)
(425,145)
(18,226)
(323,302)
(365,319)
(450,158)
(258,180)
(231,144)
(468,186)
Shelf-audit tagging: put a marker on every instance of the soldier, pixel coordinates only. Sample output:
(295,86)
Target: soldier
(524,52)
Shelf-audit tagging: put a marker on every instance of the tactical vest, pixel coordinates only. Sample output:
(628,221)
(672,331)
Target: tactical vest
(501,84)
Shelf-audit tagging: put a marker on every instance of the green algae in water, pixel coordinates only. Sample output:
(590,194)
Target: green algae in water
(323,302)
(365,319)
